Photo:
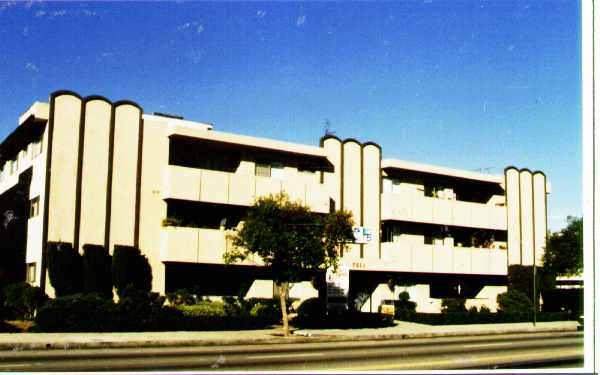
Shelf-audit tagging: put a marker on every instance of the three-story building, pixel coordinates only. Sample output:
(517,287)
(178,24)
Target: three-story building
(86,170)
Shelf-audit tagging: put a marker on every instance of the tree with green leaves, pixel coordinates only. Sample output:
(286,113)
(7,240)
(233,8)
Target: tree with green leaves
(291,240)
(130,268)
(564,249)
(64,268)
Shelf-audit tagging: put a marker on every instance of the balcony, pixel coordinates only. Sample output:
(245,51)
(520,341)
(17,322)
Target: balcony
(237,189)
(411,257)
(423,209)
(197,245)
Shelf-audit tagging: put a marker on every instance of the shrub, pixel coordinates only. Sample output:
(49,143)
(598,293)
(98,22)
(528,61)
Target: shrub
(521,278)
(96,270)
(203,309)
(225,316)
(140,310)
(64,268)
(23,299)
(267,313)
(453,306)
(514,302)
(404,307)
(312,309)
(181,297)
(130,267)
(136,311)
(77,313)
(171,222)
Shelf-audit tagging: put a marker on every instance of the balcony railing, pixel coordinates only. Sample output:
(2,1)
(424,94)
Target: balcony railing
(410,257)
(396,206)
(197,245)
(200,245)
(230,188)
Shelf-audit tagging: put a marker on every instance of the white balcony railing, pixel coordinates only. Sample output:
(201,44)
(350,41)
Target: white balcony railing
(197,245)
(396,206)
(411,257)
(230,188)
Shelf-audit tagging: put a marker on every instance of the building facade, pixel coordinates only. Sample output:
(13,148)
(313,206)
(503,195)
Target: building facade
(86,170)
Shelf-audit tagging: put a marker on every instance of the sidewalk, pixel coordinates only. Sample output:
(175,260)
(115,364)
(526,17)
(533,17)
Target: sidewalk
(28,341)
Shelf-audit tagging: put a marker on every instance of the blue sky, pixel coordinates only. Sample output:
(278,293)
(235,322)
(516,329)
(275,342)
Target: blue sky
(463,84)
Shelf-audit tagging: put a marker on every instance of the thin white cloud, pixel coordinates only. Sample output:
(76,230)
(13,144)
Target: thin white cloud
(7,4)
(510,48)
(185,26)
(300,20)
(64,13)
(191,27)
(31,67)
(260,13)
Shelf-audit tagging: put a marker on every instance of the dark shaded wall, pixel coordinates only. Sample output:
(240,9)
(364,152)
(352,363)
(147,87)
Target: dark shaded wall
(14,213)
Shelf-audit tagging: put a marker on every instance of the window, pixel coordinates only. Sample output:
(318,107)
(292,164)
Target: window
(37,147)
(34,207)
(263,170)
(277,170)
(31,271)
(270,169)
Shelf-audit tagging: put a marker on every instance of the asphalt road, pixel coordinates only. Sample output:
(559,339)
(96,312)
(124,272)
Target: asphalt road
(530,350)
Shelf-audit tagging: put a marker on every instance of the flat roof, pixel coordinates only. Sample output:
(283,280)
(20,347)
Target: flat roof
(247,141)
(39,111)
(443,171)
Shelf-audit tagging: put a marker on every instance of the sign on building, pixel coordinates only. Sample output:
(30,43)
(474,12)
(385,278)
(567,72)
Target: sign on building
(362,234)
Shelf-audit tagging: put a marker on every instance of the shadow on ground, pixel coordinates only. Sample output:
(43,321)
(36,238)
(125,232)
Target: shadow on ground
(343,321)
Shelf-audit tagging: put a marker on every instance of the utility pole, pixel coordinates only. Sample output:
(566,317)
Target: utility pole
(535,302)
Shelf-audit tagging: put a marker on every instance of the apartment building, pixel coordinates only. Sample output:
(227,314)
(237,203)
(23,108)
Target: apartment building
(86,170)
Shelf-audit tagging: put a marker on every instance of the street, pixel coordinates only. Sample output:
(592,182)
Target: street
(528,350)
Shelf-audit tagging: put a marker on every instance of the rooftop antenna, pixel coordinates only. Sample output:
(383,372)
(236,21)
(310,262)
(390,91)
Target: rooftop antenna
(328,128)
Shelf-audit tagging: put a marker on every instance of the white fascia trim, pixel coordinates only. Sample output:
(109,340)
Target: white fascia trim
(38,110)
(433,169)
(244,140)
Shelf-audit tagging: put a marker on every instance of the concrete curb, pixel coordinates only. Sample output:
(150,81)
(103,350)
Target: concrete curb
(268,337)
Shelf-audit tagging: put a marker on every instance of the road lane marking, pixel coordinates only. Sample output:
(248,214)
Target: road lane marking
(431,364)
(285,355)
(487,345)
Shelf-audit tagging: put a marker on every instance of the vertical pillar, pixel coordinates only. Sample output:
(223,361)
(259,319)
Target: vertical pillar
(527,229)
(333,180)
(352,185)
(371,197)
(124,180)
(62,162)
(513,213)
(94,171)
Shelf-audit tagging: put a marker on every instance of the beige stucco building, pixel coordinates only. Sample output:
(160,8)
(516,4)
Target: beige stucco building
(86,170)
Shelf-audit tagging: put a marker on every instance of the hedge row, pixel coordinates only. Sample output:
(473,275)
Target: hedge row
(96,271)
(143,311)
